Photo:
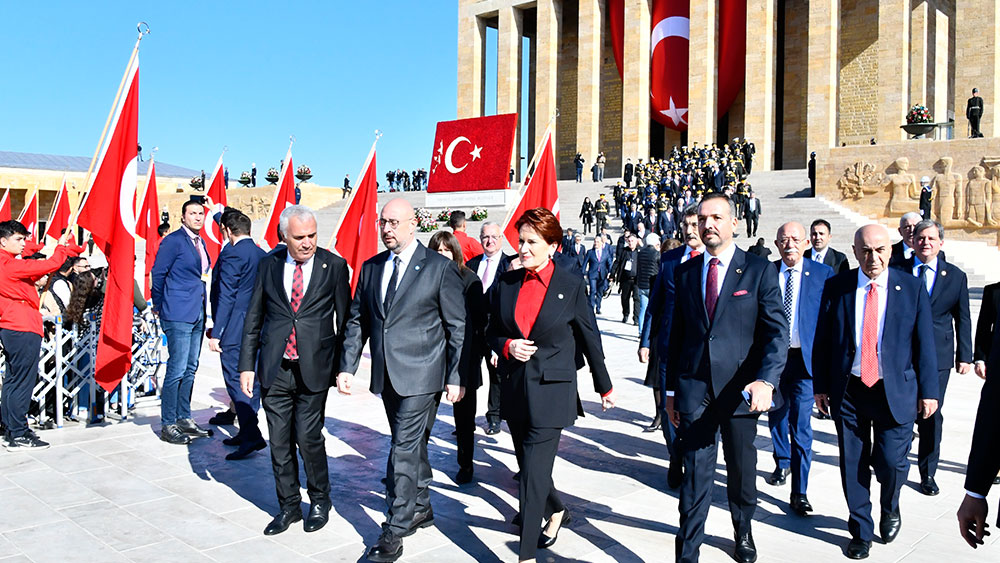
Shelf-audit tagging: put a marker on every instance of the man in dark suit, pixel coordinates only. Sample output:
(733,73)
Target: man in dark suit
(408,306)
(291,339)
(751,214)
(989,311)
(902,250)
(627,173)
(179,295)
(821,251)
(948,287)
(801,284)
(727,349)
(875,369)
(488,266)
(598,270)
(232,285)
(654,339)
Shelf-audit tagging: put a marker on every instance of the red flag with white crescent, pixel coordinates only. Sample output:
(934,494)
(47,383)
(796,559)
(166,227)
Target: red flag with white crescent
(357,237)
(472,154)
(283,197)
(216,204)
(732,51)
(147,226)
(541,191)
(59,217)
(29,218)
(5,206)
(668,50)
(109,214)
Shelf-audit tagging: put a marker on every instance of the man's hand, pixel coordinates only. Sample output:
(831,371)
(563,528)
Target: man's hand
(972,520)
(246,383)
(760,396)
(494,359)
(213,345)
(64,238)
(927,407)
(672,415)
(521,349)
(981,369)
(964,367)
(344,382)
(822,403)
(643,355)
(608,401)
(454,393)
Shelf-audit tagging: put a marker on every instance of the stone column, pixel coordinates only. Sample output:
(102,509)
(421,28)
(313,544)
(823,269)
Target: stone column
(758,114)
(976,61)
(703,74)
(546,64)
(471,61)
(940,99)
(921,54)
(588,78)
(893,69)
(635,87)
(822,83)
(509,30)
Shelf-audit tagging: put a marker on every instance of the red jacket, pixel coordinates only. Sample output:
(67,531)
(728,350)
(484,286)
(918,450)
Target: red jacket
(470,246)
(18,296)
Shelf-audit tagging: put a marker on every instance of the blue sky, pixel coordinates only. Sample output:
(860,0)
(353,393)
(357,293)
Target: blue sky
(240,74)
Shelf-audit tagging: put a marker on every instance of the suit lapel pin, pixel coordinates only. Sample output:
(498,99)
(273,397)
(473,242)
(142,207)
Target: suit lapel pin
(324,265)
(560,296)
(806,273)
(944,273)
(739,271)
(416,268)
(898,288)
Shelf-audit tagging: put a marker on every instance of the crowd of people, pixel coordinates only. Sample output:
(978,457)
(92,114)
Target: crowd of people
(400,180)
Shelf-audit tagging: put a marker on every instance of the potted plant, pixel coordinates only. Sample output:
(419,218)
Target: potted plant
(272,175)
(196,183)
(303,173)
(425,220)
(479,214)
(444,215)
(245,178)
(918,121)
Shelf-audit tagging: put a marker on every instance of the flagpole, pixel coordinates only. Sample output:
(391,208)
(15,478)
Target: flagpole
(534,157)
(354,192)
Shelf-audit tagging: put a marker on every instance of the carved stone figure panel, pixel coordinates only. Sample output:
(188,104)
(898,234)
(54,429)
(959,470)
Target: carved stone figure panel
(978,192)
(948,187)
(904,193)
(859,179)
(994,217)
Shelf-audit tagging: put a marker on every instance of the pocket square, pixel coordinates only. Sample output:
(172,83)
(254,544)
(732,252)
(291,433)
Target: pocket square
(740,292)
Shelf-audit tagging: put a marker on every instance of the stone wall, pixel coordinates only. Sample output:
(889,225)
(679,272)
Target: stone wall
(566,87)
(793,145)
(611,111)
(857,117)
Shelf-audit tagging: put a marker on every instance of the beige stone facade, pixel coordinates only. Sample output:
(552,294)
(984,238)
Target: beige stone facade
(820,74)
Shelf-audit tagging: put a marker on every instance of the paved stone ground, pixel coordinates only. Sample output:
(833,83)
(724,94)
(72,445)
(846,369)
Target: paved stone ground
(116,493)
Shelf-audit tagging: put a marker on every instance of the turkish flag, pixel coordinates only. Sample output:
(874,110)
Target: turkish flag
(5,206)
(59,217)
(29,218)
(109,214)
(357,237)
(211,233)
(668,47)
(732,51)
(473,154)
(283,197)
(147,226)
(541,191)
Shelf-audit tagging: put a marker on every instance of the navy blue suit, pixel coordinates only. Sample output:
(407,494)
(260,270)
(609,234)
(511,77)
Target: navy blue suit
(176,279)
(908,361)
(597,272)
(232,286)
(791,427)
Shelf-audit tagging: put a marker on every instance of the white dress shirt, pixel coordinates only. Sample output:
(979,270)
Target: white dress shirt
(818,255)
(793,327)
(487,270)
(724,260)
(933,265)
(405,256)
(287,275)
(860,296)
(907,251)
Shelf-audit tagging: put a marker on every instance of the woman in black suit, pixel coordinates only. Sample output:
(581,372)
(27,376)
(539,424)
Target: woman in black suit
(447,245)
(587,214)
(540,317)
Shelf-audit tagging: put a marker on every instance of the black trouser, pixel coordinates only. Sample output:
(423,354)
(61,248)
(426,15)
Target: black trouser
(493,402)
(974,124)
(22,350)
(408,472)
(751,225)
(699,432)
(929,448)
(537,496)
(465,428)
(630,294)
(246,407)
(295,417)
(602,221)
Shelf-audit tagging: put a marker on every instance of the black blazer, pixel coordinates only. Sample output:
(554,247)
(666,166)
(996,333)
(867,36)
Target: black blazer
(950,311)
(319,322)
(833,258)
(543,391)
(747,340)
(988,312)
(475,329)
(502,266)
(419,341)
(984,457)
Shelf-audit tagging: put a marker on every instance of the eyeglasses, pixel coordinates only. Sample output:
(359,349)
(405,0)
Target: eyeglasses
(393,223)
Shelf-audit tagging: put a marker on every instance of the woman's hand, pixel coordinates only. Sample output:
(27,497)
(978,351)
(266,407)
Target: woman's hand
(521,349)
(608,401)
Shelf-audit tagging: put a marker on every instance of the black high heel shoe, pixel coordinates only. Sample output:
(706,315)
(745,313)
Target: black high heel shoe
(545,541)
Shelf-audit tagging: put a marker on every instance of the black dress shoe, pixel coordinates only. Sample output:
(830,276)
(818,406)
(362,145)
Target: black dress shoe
(746,551)
(516,520)
(779,477)
(656,424)
(423,519)
(996,480)
(246,450)
(464,476)
(675,475)
(889,526)
(517,476)
(191,428)
(389,546)
(858,549)
(493,429)
(282,521)
(545,541)
(234,441)
(224,418)
(929,487)
(800,504)
(171,434)
(319,515)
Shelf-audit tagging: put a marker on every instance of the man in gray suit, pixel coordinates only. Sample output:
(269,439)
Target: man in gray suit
(409,306)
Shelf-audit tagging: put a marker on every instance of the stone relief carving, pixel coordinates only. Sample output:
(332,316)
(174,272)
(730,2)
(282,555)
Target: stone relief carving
(994,216)
(947,186)
(977,198)
(859,179)
(904,193)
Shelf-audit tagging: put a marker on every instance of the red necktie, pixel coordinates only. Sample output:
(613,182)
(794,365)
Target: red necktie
(694,254)
(869,338)
(291,349)
(712,288)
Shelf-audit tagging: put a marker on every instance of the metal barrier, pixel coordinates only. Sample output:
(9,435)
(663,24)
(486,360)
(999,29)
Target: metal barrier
(66,369)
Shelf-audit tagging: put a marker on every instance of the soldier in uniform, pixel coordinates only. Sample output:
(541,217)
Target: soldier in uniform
(974,112)
(601,211)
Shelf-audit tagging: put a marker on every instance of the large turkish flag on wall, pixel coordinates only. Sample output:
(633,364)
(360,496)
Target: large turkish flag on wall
(473,154)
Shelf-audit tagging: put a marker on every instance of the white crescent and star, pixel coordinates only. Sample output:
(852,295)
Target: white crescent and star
(674,26)
(126,196)
(675,113)
(475,153)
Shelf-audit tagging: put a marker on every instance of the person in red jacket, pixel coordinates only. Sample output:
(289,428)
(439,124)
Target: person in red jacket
(21,330)
(470,246)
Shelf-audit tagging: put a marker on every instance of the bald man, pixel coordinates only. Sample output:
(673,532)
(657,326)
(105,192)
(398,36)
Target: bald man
(875,369)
